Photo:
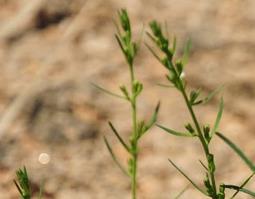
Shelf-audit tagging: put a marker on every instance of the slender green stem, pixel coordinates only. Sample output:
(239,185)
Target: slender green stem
(198,128)
(134,182)
(129,48)
(132,74)
(201,138)
(134,117)
(200,135)
(134,137)
(134,150)
(204,134)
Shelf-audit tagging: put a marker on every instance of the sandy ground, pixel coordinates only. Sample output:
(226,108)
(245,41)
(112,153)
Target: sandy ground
(51,51)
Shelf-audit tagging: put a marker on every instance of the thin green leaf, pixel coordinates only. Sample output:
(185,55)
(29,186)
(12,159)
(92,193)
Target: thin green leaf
(197,102)
(239,152)
(205,167)
(140,128)
(153,117)
(119,137)
(191,181)
(165,85)
(108,92)
(114,157)
(194,95)
(212,94)
(251,193)
(153,52)
(243,184)
(182,192)
(174,44)
(218,118)
(173,132)
(125,92)
(121,45)
(151,37)
(18,188)
(116,26)
(186,52)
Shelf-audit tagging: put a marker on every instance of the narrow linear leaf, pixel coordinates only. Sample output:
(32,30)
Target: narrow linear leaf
(125,92)
(18,187)
(140,128)
(165,85)
(121,45)
(191,181)
(114,157)
(182,192)
(194,95)
(119,137)
(218,118)
(173,132)
(251,193)
(151,37)
(116,26)
(212,94)
(239,152)
(153,118)
(153,52)
(205,167)
(186,52)
(197,102)
(174,44)
(107,92)
(243,184)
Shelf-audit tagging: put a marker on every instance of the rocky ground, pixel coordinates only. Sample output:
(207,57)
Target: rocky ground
(51,51)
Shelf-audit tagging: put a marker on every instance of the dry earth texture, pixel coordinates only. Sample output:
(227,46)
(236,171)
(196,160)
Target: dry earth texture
(51,50)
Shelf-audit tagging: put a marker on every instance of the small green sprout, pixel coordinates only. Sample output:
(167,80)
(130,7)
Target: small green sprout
(22,183)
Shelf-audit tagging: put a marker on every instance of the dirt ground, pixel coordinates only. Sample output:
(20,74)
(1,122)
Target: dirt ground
(51,51)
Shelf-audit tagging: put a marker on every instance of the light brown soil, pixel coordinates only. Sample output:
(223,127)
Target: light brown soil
(51,51)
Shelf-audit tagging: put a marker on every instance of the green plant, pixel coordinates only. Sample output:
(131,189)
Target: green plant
(129,49)
(23,184)
(195,129)
(204,133)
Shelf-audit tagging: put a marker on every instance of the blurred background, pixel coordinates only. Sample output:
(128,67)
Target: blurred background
(51,51)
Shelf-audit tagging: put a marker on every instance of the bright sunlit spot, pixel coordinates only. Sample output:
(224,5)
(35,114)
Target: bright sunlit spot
(44,158)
